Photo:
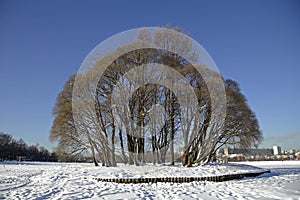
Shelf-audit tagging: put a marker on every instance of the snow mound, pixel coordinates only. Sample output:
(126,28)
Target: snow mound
(158,171)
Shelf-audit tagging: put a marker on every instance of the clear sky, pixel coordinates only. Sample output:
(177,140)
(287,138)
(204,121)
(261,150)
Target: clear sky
(256,43)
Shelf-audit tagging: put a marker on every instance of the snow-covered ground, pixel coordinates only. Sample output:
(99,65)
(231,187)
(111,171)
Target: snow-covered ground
(33,180)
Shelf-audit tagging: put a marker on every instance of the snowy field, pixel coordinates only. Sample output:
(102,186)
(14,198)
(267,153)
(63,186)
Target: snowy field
(34,180)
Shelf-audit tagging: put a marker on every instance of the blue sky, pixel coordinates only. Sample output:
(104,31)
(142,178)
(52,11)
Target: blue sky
(256,43)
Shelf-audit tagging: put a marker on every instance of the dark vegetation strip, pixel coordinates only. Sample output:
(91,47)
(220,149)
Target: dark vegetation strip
(182,179)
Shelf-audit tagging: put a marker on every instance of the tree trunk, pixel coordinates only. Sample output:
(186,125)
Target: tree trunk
(130,147)
(153,148)
(95,161)
(172,130)
(122,146)
(184,160)
(113,158)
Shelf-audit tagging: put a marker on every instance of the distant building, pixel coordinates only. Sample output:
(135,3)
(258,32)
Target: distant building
(23,158)
(297,155)
(275,153)
(276,150)
(247,152)
(292,151)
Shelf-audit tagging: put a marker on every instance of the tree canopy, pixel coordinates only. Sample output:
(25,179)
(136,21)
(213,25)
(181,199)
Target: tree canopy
(142,111)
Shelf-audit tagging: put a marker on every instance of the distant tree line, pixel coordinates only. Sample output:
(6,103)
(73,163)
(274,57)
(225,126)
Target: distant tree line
(12,149)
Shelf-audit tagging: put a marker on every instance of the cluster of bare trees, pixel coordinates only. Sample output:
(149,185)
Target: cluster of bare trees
(149,103)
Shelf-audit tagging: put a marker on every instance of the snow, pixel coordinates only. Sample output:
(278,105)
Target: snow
(35,180)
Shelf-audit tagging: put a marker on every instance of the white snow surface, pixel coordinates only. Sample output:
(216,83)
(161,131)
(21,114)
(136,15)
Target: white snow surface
(37,180)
